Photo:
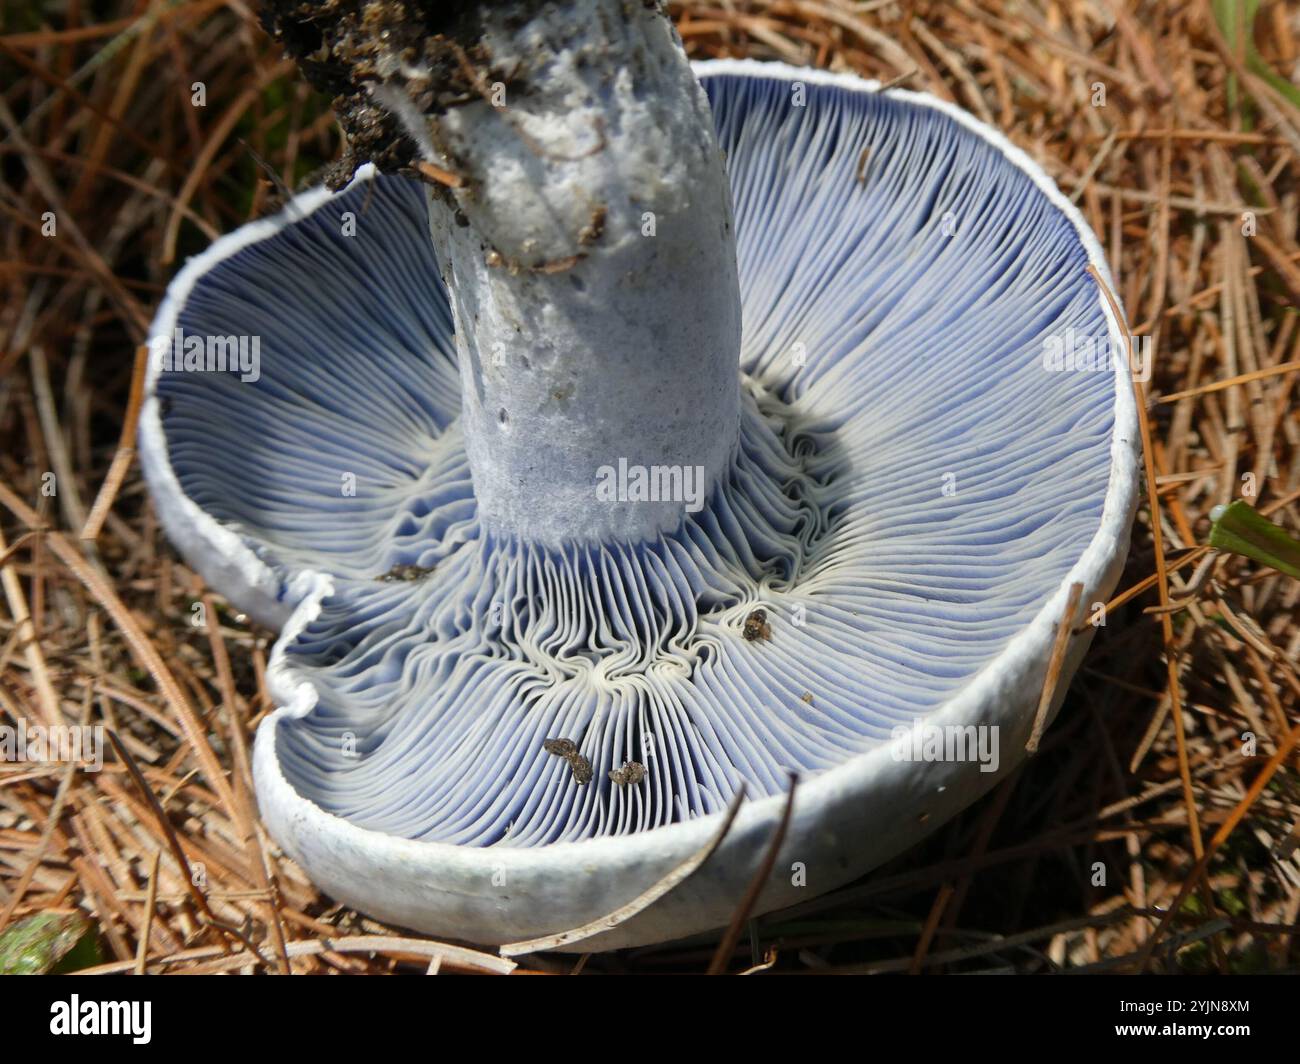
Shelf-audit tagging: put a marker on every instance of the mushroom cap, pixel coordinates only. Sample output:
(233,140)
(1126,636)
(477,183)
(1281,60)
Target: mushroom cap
(914,494)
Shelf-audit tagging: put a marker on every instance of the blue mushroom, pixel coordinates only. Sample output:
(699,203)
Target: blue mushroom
(766,471)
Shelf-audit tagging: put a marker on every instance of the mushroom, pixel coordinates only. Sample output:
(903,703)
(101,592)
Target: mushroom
(639,508)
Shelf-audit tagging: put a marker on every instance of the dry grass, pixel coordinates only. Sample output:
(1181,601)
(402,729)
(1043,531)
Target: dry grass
(1144,771)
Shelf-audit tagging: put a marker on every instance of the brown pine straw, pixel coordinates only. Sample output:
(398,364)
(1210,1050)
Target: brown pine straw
(200,900)
(1142,771)
(1197,874)
(1162,575)
(150,907)
(125,453)
(1064,629)
(1162,584)
(437,175)
(937,910)
(148,656)
(1232,382)
(762,876)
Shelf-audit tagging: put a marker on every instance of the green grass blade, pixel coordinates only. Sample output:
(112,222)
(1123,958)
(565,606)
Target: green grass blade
(1241,529)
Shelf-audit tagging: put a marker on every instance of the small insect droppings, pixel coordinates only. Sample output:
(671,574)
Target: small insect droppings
(402,572)
(594,228)
(568,750)
(862,166)
(756,627)
(632,773)
(564,748)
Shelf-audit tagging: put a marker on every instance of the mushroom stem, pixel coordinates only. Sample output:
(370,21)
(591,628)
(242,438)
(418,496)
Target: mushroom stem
(588,245)
(582,219)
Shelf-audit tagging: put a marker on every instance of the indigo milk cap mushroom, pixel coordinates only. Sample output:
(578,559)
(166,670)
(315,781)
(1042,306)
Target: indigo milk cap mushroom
(895,493)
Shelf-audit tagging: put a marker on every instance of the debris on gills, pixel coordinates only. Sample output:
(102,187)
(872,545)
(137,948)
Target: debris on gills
(756,629)
(405,573)
(632,773)
(567,749)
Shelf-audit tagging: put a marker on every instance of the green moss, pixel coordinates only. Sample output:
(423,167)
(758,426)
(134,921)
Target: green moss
(49,943)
